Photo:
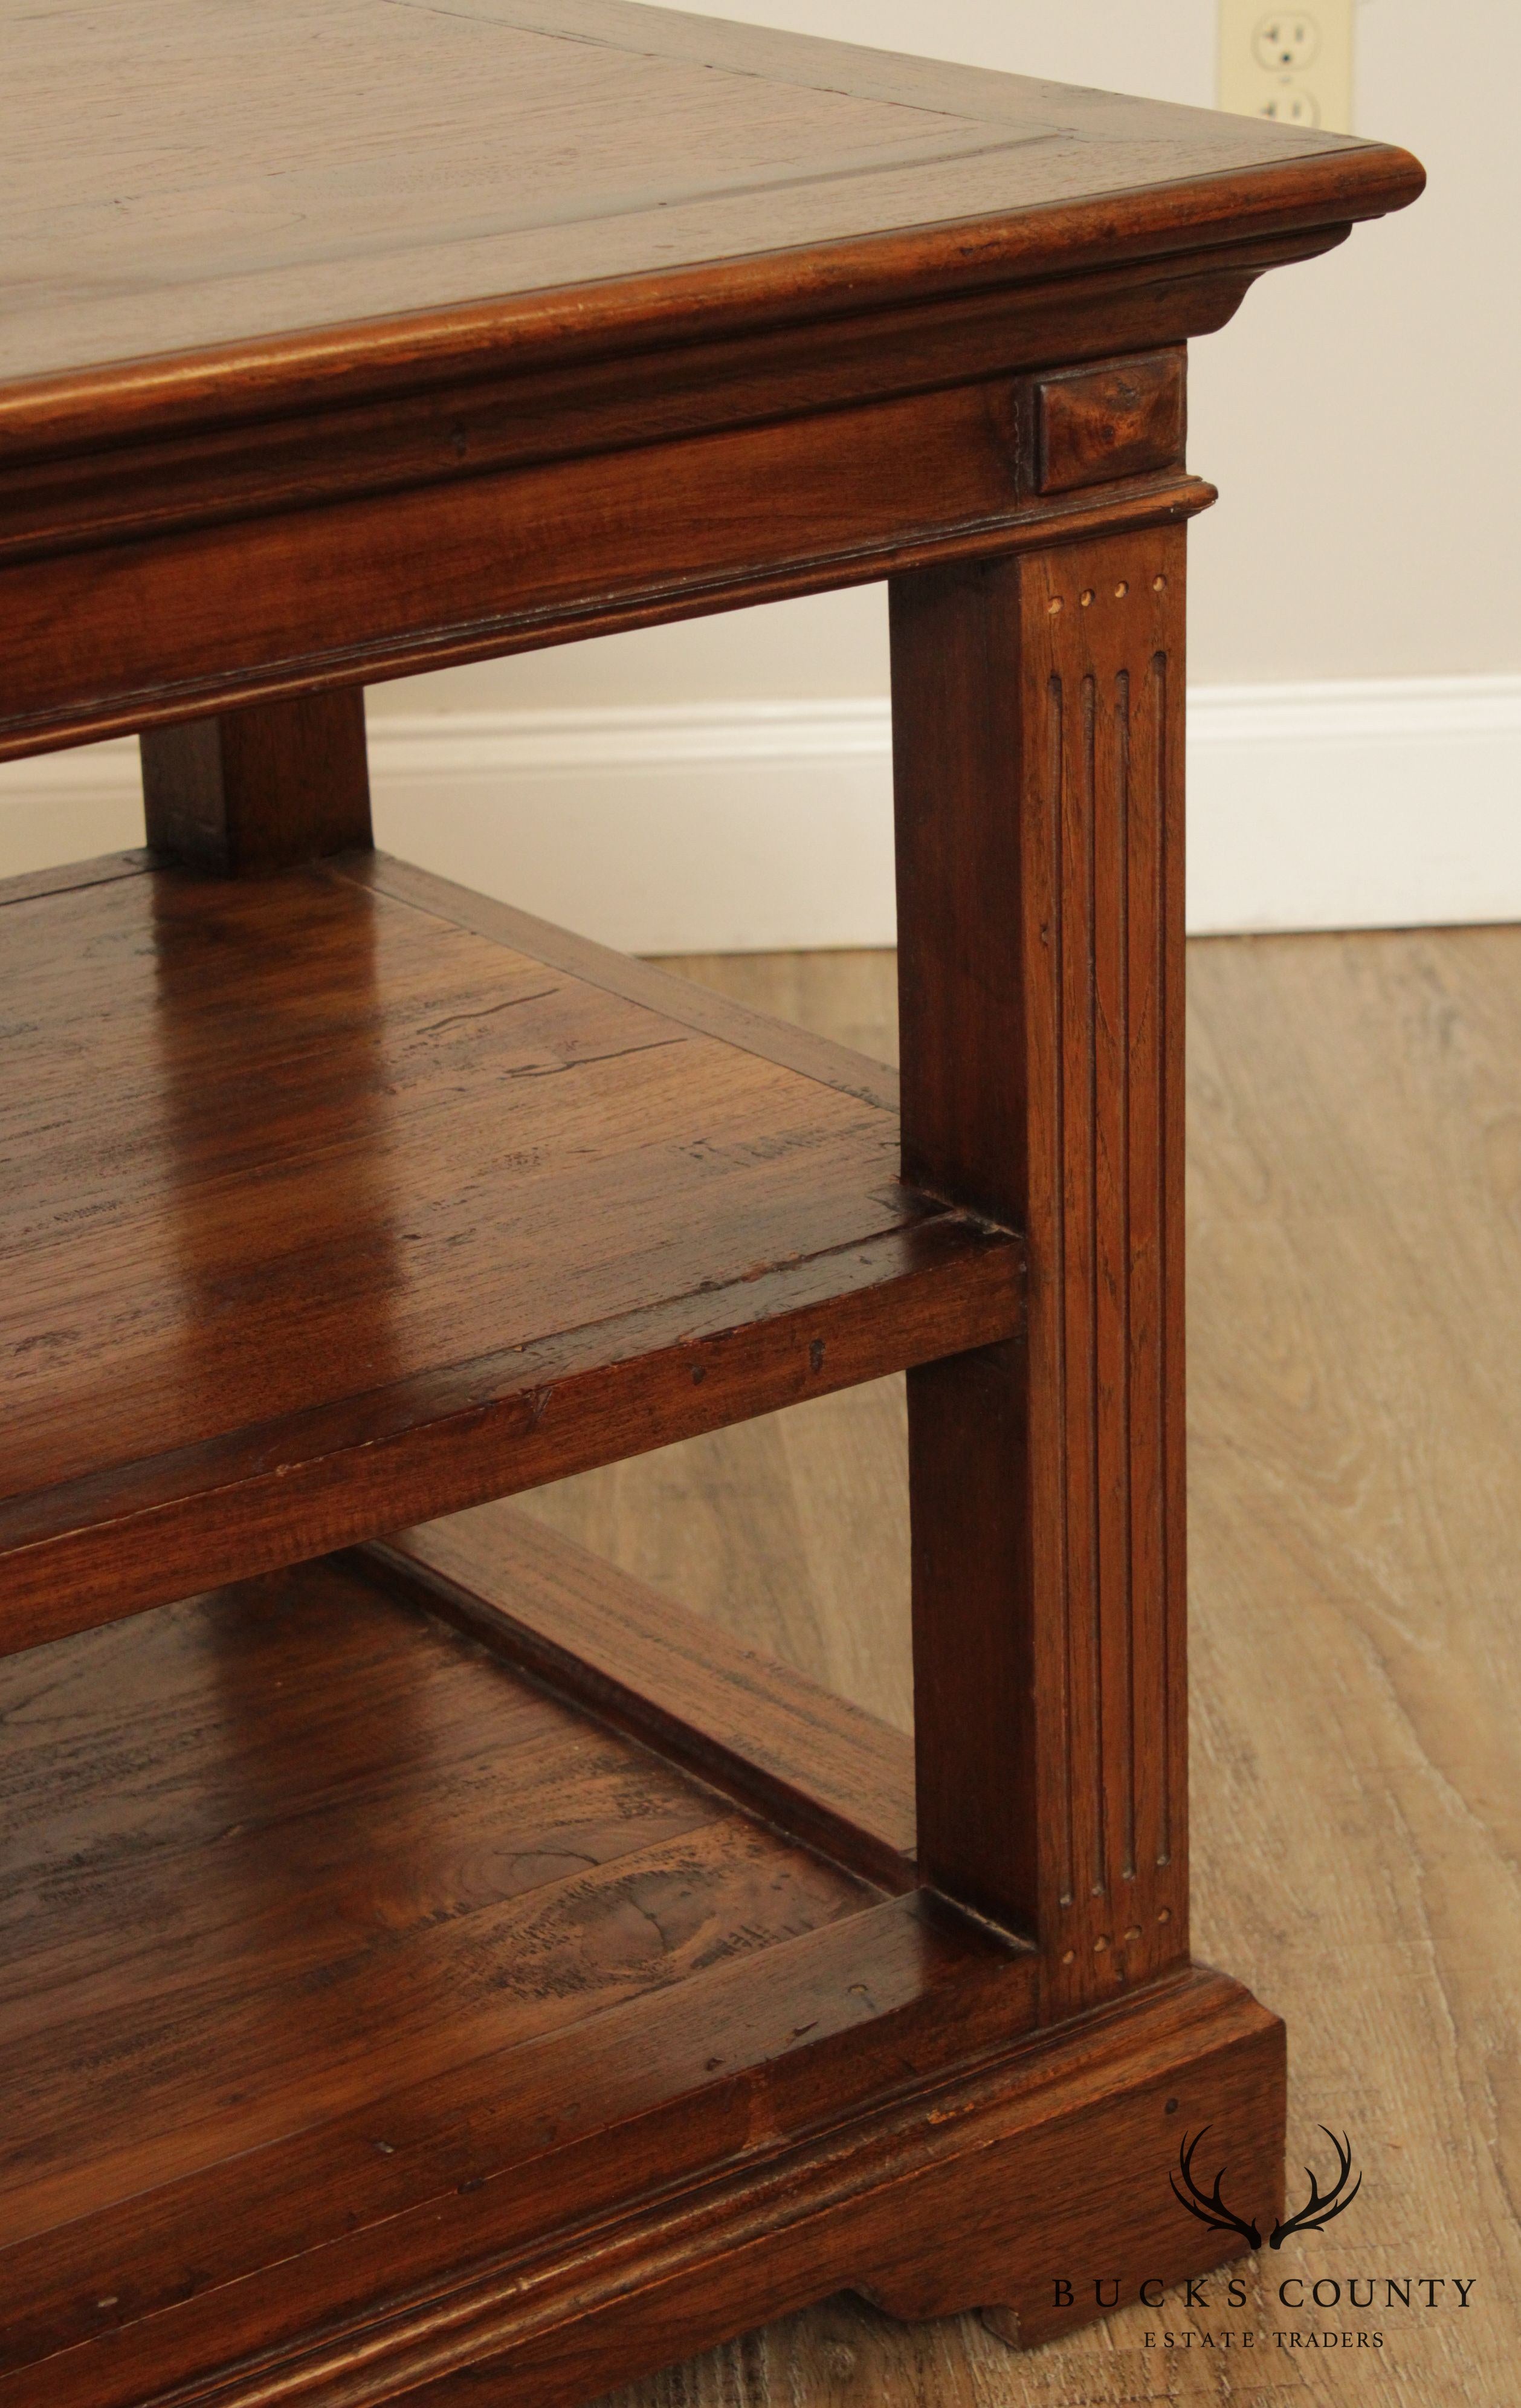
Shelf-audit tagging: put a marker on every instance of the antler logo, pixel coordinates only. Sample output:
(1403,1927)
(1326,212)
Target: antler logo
(1208,2206)
(1314,2217)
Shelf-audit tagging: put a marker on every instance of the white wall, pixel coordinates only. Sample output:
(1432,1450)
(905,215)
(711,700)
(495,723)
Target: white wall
(1355,621)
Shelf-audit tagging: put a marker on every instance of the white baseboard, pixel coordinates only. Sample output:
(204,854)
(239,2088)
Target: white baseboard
(699,828)
(1378,803)
(714,827)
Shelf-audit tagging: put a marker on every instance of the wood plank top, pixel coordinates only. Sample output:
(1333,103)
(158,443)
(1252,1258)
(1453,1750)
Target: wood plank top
(277,203)
(322,1212)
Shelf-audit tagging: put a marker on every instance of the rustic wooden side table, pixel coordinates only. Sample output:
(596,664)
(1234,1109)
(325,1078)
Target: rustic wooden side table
(434,1968)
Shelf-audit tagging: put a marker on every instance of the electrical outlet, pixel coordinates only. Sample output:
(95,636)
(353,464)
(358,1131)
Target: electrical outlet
(1293,64)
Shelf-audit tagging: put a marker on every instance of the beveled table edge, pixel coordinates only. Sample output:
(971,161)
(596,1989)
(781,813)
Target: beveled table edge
(309,369)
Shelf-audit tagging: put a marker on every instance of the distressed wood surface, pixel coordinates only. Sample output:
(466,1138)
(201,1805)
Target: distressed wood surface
(187,1762)
(250,176)
(363,336)
(253,396)
(335,1949)
(800,1756)
(367,2015)
(1356,1397)
(1095,423)
(1038,776)
(322,1212)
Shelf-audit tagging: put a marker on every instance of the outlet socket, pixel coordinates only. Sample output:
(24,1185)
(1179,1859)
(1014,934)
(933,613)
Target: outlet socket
(1293,64)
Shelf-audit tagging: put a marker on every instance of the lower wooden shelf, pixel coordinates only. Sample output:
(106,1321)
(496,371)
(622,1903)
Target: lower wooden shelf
(372,2011)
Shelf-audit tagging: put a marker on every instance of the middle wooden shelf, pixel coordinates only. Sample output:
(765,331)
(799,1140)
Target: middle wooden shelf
(344,1199)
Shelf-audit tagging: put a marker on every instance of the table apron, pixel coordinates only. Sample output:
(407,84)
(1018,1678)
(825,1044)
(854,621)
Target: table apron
(132,634)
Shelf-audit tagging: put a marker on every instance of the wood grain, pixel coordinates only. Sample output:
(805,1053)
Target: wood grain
(511,2150)
(1354,1172)
(371,334)
(1038,767)
(505,411)
(1111,420)
(812,1764)
(776,1037)
(307,1721)
(549,2059)
(311,1222)
(480,1868)
(284,602)
(253,179)
(725,317)
(259,789)
(68,877)
(1352,1119)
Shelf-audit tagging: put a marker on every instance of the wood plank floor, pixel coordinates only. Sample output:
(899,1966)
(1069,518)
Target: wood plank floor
(1355,1494)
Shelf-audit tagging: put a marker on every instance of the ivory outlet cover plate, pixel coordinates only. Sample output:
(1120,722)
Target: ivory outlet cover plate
(1293,64)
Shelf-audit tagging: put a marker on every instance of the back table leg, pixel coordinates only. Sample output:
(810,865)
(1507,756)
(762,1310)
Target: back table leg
(1037,722)
(260,789)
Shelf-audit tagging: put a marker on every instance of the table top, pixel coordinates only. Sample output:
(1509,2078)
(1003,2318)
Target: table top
(249,197)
